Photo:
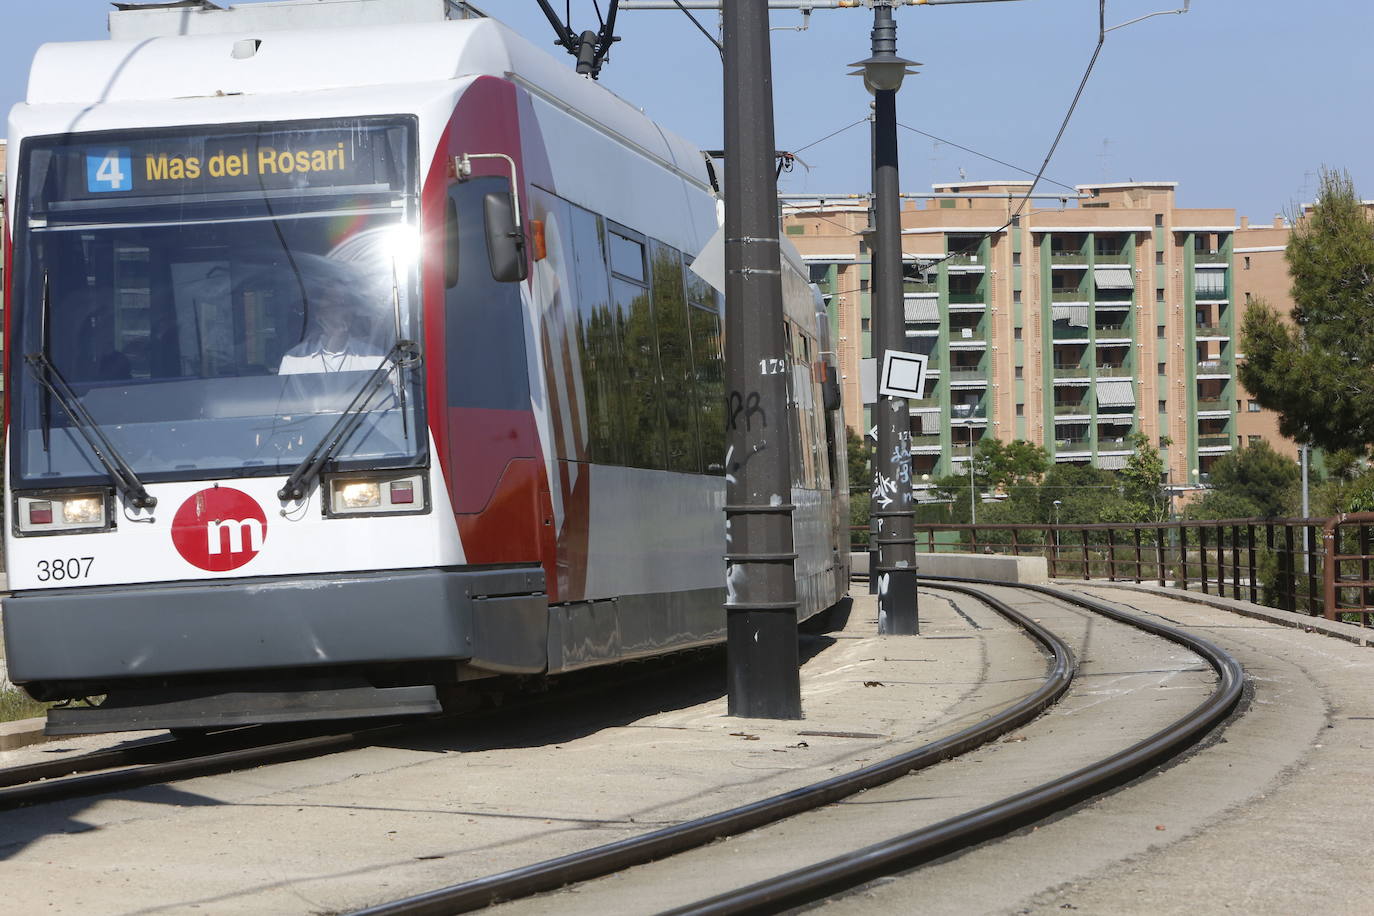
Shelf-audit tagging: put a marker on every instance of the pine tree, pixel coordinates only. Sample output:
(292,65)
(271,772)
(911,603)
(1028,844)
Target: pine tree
(1317,371)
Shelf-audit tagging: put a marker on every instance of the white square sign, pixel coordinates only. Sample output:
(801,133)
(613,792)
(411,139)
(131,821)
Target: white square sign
(904,374)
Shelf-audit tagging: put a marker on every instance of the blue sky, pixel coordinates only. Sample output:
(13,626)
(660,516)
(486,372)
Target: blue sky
(1240,101)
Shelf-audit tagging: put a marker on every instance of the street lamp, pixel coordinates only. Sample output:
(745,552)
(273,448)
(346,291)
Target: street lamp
(894,496)
(972,480)
(1057,504)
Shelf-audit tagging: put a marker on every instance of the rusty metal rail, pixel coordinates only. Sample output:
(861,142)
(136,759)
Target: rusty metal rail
(1316,566)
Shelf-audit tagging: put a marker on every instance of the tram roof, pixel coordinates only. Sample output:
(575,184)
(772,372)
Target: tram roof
(303,60)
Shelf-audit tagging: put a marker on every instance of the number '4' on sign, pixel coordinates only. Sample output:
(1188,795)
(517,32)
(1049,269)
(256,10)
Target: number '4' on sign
(109,170)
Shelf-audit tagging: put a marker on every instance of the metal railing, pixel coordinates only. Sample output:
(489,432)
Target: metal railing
(966,298)
(1068,257)
(1066,409)
(1114,371)
(1315,566)
(1068,295)
(1211,257)
(1112,257)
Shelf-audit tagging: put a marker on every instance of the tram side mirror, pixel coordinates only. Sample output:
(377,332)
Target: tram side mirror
(505,238)
(830,389)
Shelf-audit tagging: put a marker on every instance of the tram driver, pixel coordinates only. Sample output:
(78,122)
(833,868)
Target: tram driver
(335,341)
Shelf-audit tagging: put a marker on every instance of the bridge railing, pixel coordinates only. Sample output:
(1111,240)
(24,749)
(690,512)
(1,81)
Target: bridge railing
(1314,566)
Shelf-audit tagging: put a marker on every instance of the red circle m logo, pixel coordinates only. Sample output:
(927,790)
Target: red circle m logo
(219,529)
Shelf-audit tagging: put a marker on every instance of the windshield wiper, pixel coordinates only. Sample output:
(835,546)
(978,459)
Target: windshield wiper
(123,476)
(404,355)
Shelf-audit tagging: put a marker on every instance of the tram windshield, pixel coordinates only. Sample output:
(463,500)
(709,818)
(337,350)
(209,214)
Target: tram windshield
(215,298)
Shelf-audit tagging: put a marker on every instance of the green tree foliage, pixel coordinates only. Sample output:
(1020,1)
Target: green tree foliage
(1316,372)
(1001,466)
(860,482)
(1087,495)
(1253,482)
(1142,481)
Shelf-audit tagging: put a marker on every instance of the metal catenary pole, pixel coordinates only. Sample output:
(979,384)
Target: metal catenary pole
(761,592)
(893,494)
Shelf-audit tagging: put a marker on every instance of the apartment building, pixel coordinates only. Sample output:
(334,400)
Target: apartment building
(1073,323)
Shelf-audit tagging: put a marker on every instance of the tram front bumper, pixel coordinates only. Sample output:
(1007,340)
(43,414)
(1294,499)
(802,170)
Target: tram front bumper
(496,619)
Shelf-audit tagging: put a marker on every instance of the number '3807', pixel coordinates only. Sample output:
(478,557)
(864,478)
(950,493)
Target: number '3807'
(60,570)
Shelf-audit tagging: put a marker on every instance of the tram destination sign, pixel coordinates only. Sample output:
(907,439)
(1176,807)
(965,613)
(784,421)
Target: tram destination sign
(267,157)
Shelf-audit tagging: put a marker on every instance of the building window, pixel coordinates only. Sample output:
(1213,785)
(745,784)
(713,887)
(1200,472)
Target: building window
(1016,259)
(1163,443)
(1159,295)
(1247,262)
(1159,257)
(1247,297)
(1020,410)
(1159,219)
(864,324)
(1016,333)
(1253,440)
(1163,368)
(863,286)
(1159,332)
(1253,406)
(1018,372)
(1163,406)
(1016,296)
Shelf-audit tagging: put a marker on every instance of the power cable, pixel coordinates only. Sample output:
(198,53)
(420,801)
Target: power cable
(1009,165)
(1059,135)
(701,28)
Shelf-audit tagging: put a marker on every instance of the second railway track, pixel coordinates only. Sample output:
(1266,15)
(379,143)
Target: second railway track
(1109,762)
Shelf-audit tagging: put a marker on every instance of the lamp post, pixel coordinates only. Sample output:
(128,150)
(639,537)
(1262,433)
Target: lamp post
(972,480)
(893,493)
(1057,504)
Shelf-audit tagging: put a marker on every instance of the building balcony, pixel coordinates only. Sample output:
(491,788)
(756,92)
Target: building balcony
(1074,444)
(919,289)
(1114,298)
(957,374)
(1068,295)
(1212,330)
(1114,371)
(1113,331)
(964,261)
(925,440)
(1211,257)
(1068,257)
(922,404)
(1082,409)
(1118,257)
(967,298)
(1069,370)
(1068,332)
(1214,367)
(1213,441)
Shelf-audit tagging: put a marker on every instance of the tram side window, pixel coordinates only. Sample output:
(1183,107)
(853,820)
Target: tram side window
(485,325)
(643,401)
(599,330)
(708,371)
(675,359)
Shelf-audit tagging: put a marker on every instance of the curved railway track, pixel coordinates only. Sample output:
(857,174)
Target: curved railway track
(898,853)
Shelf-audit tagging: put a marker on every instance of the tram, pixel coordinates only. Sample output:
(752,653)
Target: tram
(349,362)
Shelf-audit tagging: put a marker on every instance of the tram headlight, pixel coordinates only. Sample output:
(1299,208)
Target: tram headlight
(359,494)
(62,513)
(83,510)
(377,494)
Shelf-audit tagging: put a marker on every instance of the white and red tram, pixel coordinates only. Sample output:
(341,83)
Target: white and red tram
(347,362)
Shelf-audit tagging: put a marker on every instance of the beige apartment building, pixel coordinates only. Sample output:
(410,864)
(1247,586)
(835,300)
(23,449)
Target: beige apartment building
(1072,323)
